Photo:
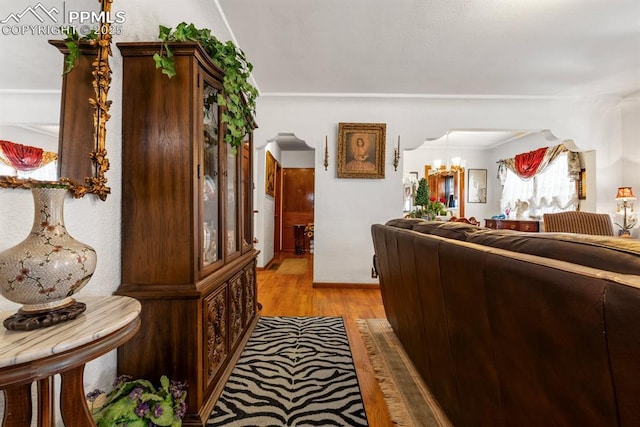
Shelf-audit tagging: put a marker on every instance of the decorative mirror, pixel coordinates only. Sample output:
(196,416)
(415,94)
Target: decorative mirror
(84,110)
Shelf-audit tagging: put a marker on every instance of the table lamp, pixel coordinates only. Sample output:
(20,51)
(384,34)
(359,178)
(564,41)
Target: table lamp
(624,196)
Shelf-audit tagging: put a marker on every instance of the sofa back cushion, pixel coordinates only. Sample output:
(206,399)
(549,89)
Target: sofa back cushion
(606,253)
(405,223)
(450,230)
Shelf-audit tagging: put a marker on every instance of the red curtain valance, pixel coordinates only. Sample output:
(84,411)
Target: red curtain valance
(527,163)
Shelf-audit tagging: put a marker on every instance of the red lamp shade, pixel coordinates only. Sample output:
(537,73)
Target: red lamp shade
(625,193)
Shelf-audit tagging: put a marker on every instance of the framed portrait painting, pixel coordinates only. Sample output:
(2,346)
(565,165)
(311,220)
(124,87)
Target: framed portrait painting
(361,149)
(270,174)
(477,186)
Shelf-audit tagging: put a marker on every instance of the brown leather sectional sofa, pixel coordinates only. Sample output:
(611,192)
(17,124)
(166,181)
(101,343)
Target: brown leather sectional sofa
(516,329)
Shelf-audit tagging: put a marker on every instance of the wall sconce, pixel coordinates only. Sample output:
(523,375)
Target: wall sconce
(326,153)
(396,155)
(624,195)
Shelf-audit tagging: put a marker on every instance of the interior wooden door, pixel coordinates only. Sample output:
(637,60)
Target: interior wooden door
(297,204)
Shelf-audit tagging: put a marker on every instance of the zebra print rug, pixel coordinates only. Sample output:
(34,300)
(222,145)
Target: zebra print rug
(294,371)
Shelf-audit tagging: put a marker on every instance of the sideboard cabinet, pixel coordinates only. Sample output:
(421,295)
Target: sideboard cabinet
(513,224)
(187,234)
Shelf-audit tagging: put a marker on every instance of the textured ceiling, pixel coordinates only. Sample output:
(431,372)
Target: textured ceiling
(395,47)
(441,47)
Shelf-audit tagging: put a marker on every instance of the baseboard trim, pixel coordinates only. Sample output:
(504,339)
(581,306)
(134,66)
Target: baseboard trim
(267,265)
(346,285)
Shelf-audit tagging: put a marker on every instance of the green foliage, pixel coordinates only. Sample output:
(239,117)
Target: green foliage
(73,44)
(416,213)
(435,208)
(426,206)
(49,185)
(422,193)
(239,96)
(137,403)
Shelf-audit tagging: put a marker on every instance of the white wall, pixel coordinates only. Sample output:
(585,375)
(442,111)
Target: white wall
(298,159)
(630,131)
(345,209)
(630,163)
(264,204)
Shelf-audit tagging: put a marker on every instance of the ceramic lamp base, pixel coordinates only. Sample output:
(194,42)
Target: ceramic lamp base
(30,320)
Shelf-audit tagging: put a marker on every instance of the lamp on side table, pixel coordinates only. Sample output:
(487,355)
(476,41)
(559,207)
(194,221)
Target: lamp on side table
(624,196)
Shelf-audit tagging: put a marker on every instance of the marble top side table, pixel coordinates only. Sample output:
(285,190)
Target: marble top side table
(38,355)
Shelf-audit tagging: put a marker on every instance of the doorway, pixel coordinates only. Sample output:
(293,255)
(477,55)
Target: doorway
(294,195)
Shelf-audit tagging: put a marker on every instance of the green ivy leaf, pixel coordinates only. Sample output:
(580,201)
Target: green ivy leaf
(74,53)
(164,33)
(240,107)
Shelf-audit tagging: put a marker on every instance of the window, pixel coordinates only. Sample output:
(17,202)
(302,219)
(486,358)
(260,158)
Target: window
(552,190)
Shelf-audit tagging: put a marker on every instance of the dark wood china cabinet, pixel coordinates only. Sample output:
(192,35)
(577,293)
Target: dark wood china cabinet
(187,232)
(448,186)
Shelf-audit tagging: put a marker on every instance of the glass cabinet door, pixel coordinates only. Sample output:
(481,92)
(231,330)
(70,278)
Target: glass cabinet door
(246,199)
(231,213)
(211,248)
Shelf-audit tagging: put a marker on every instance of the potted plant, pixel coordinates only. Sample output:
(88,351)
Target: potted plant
(137,403)
(427,207)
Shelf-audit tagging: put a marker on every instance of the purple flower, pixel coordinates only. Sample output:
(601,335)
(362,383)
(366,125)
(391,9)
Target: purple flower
(122,378)
(93,395)
(136,393)
(181,410)
(142,409)
(176,388)
(157,411)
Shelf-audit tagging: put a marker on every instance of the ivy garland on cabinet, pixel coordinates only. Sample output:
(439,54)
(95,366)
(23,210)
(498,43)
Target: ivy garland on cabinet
(72,41)
(239,95)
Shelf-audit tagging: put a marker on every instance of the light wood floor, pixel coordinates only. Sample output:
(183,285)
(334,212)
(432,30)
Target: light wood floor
(293,295)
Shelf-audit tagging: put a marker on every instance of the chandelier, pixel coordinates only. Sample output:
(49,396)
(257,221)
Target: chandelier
(454,164)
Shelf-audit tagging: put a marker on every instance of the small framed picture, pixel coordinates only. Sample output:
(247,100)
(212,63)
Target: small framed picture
(582,185)
(270,174)
(477,186)
(361,150)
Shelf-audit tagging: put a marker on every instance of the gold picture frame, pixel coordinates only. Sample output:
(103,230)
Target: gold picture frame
(361,150)
(581,185)
(270,175)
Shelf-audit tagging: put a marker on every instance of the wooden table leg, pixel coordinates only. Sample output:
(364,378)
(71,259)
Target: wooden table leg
(17,406)
(73,403)
(46,414)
